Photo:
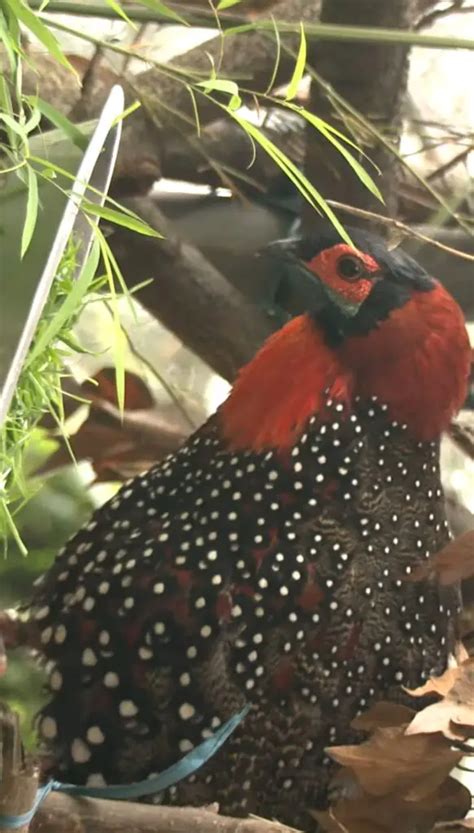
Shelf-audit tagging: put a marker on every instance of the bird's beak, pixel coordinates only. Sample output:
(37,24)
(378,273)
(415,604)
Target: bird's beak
(297,289)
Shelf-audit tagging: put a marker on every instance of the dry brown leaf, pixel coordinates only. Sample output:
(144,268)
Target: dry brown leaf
(454,715)
(382,715)
(454,826)
(393,813)
(460,653)
(436,685)
(392,760)
(103,386)
(455,562)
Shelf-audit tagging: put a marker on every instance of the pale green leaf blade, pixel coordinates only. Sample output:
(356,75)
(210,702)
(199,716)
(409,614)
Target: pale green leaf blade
(31,215)
(358,169)
(226,4)
(124,218)
(221,85)
(61,121)
(299,69)
(32,22)
(276,64)
(162,8)
(120,12)
(69,306)
(306,188)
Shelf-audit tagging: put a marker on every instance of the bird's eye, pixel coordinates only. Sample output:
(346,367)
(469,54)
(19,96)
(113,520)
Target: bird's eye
(350,268)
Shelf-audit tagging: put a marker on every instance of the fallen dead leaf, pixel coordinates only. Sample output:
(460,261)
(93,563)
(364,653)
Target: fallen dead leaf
(454,714)
(394,760)
(454,826)
(382,715)
(393,813)
(437,685)
(454,563)
(460,653)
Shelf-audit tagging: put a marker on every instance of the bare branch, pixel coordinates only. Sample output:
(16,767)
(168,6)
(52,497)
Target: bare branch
(189,295)
(60,813)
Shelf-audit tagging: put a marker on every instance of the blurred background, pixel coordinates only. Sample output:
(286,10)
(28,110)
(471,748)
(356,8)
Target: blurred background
(207,299)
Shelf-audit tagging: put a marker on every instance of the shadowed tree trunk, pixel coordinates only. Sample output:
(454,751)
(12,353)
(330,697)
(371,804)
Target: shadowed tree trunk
(373,79)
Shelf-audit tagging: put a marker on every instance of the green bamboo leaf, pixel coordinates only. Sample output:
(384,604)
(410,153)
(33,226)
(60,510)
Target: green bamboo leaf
(360,34)
(10,39)
(299,69)
(119,11)
(59,120)
(306,188)
(32,22)
(358,169)
(31,215)
(34,119)
(68,307)
(119,338)
(276,65)
(162,8)
(220,85)
(195,110)
(226,4)
(14,126)
(128,112)
(124,218)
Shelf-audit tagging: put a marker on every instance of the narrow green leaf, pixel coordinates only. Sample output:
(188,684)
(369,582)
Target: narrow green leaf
(123,218)
(242,27)
(220,85)
(360,34)
(70,305)
(10,38)
(316,120)
(60,120)
(31,215)
(306,188)
(128,112)
(40,31)
(226,4)
(276,65)
(34,119)
(162,8)
(119,11)
(14,126)
(299,69)
(195,110)
(119,338)
(10,523)
(358,169)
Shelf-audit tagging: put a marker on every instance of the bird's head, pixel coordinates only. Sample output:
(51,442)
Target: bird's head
(369,322)
(349,290)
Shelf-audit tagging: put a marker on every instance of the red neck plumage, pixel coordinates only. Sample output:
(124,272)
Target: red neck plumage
(416,362)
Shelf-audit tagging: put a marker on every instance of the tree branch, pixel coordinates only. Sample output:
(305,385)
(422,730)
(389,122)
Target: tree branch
(60,813)
(18,780)
(188,295)
(372,79)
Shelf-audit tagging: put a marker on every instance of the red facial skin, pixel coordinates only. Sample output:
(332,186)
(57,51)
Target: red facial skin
(416,361)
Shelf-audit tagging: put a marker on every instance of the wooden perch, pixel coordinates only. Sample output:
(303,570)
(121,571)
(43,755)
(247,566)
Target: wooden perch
(188,295)
(61,813)
(18,778)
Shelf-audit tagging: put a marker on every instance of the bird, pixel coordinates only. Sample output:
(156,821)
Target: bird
(271,561)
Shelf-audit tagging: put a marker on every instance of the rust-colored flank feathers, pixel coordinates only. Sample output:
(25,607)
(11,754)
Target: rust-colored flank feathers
(265,562)
(282,387)
(416,362)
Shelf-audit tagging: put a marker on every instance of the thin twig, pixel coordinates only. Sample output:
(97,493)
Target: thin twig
(406,230)
(456,7)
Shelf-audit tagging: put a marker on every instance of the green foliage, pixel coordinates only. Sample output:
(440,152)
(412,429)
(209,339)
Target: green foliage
(38,515)
(39,389)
